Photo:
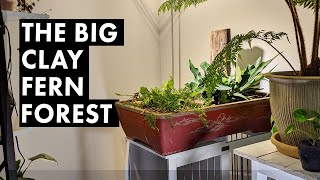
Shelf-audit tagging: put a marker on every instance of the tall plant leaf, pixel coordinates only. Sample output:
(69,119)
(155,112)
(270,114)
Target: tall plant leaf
(42,156)
(195,71)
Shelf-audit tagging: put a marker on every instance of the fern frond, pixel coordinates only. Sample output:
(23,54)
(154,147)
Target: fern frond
(308,4)
(230,54)
(178,5)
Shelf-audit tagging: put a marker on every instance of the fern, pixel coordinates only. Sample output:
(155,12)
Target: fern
(178,5)
(308,4)
(216,70)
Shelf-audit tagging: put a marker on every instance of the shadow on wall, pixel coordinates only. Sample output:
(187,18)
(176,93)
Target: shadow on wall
(102,153)
(249,56)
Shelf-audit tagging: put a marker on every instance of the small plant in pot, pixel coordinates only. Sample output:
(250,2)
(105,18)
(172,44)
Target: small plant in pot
(309,148)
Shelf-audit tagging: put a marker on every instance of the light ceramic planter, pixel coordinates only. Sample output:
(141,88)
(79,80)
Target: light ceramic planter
(289,92)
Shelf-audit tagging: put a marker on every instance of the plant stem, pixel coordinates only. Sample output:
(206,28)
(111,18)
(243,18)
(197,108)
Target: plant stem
(295,29)
(303,61)
(26,168)
(312,138)
(299,37)
(315,47)
(281,55)
(24,160)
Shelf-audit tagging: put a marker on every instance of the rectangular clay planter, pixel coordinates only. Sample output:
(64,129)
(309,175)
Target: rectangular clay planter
(226,119)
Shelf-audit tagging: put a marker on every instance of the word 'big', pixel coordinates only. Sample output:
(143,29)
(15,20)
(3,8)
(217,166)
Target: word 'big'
(54,72)
(82,32)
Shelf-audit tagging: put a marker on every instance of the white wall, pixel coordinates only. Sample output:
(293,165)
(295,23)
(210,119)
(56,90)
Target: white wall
(240,16)
(144,60)
(87,153)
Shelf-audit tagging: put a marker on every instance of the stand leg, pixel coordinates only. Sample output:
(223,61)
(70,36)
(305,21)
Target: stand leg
(127,166)
(5,112)
(225,166)
(172,170)
(254,170)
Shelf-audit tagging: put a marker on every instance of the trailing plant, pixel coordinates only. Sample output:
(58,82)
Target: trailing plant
(167,99)
(21,171)
(313,118)
(312,69)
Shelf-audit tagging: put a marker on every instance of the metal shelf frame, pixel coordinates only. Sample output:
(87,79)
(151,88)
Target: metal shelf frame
(171,163)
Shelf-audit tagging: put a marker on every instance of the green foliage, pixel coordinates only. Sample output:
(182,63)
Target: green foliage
(242,85)
(167,99)
(212,86)
(197,85)
(151,119)
(290,129)
(225,89)
(313,118)
(274,126)
(21,173)
(308,4)
(178,5)
(300,115)
(42,156)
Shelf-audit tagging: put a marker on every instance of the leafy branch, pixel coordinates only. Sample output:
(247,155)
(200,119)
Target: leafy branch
(313,118)
(308,4)
(312,69)
(19,166)
(178,5)
(167,99)
(230,53)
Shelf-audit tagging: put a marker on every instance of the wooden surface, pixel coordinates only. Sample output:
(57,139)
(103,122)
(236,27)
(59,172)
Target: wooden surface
(218,41)
(266,153)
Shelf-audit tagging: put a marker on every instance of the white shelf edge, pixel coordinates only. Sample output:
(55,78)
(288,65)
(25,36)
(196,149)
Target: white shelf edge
(15,16)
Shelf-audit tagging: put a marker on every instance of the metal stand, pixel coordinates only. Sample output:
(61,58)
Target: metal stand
(143,163)
(9,162)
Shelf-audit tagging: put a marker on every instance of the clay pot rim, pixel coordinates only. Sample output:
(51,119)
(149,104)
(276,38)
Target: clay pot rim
(122,104)
(288,77)
(275,139)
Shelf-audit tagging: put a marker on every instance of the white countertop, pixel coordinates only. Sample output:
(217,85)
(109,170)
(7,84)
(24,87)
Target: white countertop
(266,153)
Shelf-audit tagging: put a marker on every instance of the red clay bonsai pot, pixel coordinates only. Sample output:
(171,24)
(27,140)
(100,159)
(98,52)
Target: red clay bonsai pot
(226,119)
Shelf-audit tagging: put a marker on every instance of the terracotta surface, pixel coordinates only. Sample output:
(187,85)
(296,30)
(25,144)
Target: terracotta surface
(188,131)
(285,149)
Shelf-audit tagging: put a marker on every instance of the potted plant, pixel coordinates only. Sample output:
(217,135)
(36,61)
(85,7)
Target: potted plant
(309,148)
(170,120)
(21,171)
(288,90)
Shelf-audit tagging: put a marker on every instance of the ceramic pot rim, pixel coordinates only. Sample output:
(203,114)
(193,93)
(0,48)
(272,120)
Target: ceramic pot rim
(288,77)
